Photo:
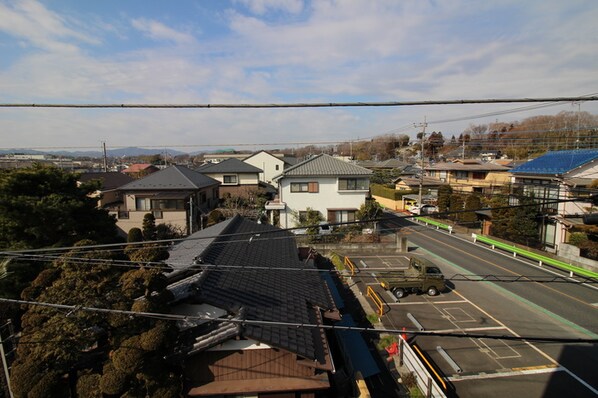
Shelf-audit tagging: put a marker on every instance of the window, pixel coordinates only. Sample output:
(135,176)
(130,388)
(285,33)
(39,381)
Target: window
(341,215)
(277,167)
(353,184)
(478,175)
(461,175)
(168,204)
(230,179)
(312,187)
(157,214)
(142,204)
(202,198)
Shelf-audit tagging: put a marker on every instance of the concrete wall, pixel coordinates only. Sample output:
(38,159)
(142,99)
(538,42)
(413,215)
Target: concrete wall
(571,253)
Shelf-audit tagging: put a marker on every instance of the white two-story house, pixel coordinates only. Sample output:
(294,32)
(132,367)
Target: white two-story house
(335,188)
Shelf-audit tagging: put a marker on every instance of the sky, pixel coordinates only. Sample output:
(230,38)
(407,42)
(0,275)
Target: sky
(282,51)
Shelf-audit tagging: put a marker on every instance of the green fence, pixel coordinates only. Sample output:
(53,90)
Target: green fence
(572,269)
(438,225)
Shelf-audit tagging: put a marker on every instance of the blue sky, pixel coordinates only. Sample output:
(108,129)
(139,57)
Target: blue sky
(277,51)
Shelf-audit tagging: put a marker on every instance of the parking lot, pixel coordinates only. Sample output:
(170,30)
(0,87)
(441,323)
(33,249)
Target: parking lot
(467,362)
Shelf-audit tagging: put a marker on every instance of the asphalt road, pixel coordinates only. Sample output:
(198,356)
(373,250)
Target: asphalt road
(496,367)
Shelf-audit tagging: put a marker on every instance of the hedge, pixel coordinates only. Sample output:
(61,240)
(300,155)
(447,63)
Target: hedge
(388,193)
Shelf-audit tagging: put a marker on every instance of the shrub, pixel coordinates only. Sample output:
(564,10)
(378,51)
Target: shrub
(135,235)
(578,238)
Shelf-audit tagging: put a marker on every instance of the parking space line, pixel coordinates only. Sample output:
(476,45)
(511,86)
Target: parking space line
(453,315)
(480,329)
(494,350)
(431,302)
(513,372)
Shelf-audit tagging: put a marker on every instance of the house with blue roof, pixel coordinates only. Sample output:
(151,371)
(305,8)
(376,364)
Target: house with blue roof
(553,178)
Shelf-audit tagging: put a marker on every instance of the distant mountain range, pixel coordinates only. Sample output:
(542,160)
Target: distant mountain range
(114,153)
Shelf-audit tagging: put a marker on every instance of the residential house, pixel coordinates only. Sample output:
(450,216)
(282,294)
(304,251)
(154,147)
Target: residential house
(108,195)
(176,195)
(242,278)
(236,177)
(270,164)
(220,157)
(554,178)
(139,170)
(335,188)
(470,175)
(429,188)
(389,164)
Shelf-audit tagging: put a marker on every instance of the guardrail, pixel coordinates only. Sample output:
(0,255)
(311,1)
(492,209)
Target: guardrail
(348,263)
(376,299)
(437,224)
(572,269)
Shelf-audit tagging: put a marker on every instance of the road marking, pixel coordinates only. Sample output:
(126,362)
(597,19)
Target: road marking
(497,266)
(532,370)
(433,302)
(507,351)
(459,315)
(480,329)
(524,300)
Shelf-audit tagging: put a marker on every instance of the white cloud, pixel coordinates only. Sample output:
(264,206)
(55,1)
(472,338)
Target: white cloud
(326,52)
(261,7)
(158,31)
(42,28)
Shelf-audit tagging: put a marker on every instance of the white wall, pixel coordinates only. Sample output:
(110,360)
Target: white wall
(267,163)
(328,197)
(242,178)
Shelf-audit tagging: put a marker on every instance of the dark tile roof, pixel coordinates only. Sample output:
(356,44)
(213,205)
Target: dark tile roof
(231,165)
(286,292)
(110,180)
(173,177)
(559,162)
(324,165)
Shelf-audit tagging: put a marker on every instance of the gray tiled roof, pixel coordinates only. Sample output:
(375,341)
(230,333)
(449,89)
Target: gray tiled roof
(231,165)
(110,180)
(173,177)
(284,293)
(324,165)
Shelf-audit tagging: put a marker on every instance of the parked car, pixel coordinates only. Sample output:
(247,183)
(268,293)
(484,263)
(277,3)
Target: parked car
(424,209)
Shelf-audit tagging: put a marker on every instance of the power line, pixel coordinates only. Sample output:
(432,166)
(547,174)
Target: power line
(301,105)
(185,318)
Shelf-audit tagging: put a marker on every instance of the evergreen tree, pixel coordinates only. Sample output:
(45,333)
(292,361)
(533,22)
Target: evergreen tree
(43,207)
(472,202)
(444,198)
(456,206)
(148,227)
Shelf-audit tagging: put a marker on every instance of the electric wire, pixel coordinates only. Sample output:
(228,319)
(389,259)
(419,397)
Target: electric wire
(264,323)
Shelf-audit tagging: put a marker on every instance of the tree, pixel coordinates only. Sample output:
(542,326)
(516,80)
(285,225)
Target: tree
(472,202)
(456,206)
(44,207)
(112,353)
(310,218)
(444,198)
(148,227)
(370,210)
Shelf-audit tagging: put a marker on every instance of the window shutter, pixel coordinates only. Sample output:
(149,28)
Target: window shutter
(313,187)
(331,216)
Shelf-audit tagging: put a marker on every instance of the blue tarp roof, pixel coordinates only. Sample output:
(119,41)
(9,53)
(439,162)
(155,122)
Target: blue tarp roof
(558,162)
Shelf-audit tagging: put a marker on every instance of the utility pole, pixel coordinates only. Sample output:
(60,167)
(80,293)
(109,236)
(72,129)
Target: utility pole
(105,157)
(421,174)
